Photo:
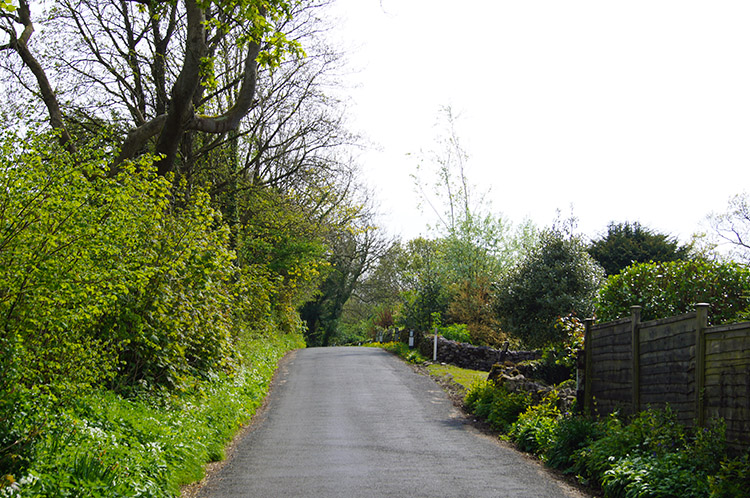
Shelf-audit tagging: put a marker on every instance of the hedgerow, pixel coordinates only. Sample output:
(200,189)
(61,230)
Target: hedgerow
(668,289)
(124,311)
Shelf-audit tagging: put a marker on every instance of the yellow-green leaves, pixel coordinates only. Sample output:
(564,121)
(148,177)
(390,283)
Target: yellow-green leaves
(71,242)
(7,6)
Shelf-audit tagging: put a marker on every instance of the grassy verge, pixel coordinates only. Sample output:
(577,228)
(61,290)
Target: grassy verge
(151,444)
(462,376)
(399,349)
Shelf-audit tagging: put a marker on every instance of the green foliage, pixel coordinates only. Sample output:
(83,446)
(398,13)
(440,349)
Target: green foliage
(629,243)
(72,242)
(471,304)
(425,290)
(401,350)
(179,324)
(278,235)
(455,332)
(667,289)
(121,281)
(557,278)
(559,360)
(535,428)
(495,404)
(7,6)
(638,459)
(569,437)
(654,476)
(732,479)
(652,456)
(149,444)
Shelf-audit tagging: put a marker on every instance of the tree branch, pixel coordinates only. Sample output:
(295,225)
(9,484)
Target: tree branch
(230,120)
(20,45)
(138,137)
(181,109)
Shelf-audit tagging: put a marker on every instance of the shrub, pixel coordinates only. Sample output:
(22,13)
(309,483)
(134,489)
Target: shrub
(534,430)
(559,360)
(732,479)
(667,289)
(73,241)
(401,350)
(471,305)
(569,437)
(657,476)
(458,332)
(495,404)
(558,277)
(652,456)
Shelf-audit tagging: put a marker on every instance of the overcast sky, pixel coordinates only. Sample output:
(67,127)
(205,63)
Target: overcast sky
(628,111)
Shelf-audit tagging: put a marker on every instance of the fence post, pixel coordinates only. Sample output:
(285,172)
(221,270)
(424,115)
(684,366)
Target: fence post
(635,331)
(587,352)
(701,318)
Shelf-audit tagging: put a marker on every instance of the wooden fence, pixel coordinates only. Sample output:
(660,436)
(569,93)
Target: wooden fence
(701,372)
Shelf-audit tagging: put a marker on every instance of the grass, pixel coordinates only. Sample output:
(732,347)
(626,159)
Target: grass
(150,444)
(463,376)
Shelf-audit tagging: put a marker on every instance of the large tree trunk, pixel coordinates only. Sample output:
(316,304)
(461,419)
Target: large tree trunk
(20,45)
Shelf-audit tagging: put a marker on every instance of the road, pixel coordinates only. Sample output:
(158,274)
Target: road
(358,422)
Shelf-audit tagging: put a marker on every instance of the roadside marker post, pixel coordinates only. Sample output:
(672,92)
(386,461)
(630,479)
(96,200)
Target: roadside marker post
(434,347)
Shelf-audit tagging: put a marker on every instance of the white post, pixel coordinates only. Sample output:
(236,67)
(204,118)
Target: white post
(434,347)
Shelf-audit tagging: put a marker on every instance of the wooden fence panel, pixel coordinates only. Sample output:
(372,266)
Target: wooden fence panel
(727,379)
(611,367)
(667,365)
(702,373)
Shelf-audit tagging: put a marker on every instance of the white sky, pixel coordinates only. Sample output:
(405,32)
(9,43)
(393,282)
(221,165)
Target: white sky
(628,111)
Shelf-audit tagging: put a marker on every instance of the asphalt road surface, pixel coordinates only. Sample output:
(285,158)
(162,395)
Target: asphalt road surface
(358,422)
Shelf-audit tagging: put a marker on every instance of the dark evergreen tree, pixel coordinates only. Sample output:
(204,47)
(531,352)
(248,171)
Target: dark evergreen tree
(628,243)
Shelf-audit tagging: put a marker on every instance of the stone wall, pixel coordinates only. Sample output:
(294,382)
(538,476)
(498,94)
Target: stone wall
(473,357)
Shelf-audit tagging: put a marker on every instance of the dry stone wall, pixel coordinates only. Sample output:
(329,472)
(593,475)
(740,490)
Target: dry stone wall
(473,357)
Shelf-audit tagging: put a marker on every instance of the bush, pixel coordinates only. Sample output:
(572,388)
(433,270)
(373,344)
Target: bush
(559,360)
(569,437)
(534,430)
(652,456)
(657,476)
(74,241)
(732,479)
(668,289)
(557,278)
(495,404)
(401,350)
(458,332)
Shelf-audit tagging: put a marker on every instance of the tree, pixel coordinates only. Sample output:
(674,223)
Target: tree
(424,294)
(557,278)
(153,66)
(476,246)
(733,227)
(628,243)
(354,254)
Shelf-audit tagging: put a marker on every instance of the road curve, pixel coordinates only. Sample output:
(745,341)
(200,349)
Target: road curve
(358,422)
